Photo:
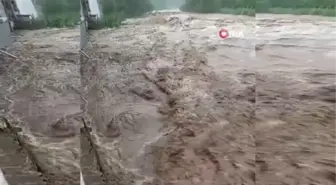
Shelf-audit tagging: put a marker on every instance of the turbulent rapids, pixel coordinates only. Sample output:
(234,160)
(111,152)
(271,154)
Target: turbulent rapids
(164,100)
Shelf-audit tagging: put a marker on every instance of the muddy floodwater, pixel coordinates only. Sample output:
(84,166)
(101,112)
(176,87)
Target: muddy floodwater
(40,101)
(172,103)
(163,100)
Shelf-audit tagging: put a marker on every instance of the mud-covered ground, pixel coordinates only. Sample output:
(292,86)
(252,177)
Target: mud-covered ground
(169,102)
(40,101)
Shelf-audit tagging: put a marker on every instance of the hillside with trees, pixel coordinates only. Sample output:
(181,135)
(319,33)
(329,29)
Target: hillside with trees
(62,13)
(59,13)
(250,7)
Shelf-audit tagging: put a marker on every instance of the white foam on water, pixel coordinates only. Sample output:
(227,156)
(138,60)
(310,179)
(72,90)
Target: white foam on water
(81,179)
(3,181)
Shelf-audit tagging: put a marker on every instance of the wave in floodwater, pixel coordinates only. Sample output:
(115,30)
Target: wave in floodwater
(2,179)
(81,179)
(167,10)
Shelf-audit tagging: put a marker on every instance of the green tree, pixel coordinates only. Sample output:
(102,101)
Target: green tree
(60,13)
(115,11)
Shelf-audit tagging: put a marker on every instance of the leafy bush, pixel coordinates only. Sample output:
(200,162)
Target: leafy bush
(246,7)
(66,13)
(250,7)
(60,13)
(303,11)
(310,7)
(115,11)
(167,4)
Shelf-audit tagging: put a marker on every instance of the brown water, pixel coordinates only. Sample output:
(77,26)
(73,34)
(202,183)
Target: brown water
(269,92)
(169,102)
(38,89)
